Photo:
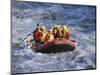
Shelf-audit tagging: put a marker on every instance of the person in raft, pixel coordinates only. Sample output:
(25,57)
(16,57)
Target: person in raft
(49,36)
(65,32)
(35,32)
(57,31)
(40,35)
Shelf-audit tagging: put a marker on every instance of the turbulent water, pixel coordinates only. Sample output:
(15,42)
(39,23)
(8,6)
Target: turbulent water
(81,21)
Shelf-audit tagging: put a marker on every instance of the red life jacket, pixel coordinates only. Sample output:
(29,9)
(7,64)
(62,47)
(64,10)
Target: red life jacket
(46,38)
(49,37)
(37,35)
(67,35)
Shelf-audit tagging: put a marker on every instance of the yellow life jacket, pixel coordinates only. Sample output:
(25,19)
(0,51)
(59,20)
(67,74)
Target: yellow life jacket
(43,35)
(50,37)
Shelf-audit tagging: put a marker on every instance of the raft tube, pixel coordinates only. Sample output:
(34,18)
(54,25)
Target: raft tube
(57,45)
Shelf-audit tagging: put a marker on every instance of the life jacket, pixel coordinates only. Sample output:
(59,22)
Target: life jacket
(35,33)
(55,33)
(49,37)
(59,34)
(42,36)
(67,35)
(36,36)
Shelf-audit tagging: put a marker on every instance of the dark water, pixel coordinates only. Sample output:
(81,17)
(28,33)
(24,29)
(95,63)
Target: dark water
(82,23)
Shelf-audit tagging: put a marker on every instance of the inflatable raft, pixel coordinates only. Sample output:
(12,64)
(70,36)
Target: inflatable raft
(57,45)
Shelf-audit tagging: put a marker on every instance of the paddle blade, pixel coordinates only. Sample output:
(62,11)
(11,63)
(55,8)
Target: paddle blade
(30,46)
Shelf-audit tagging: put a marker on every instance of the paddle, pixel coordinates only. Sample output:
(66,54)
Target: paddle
(18,45)
(31,46)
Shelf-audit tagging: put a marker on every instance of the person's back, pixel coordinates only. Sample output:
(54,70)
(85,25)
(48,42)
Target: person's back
(39,34)
(36,36)
(42,34)
(55,31)
(36,33)
(65,32)
(59,33)
(49,36)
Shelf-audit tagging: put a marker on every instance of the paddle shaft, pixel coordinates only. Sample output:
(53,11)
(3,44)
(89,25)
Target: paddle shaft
(27,36)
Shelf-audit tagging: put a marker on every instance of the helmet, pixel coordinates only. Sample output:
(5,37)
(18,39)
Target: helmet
(65,28)
(58,27)
(42,28)
(55,25)
(50,30)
